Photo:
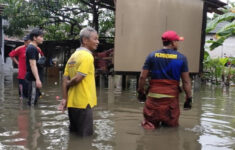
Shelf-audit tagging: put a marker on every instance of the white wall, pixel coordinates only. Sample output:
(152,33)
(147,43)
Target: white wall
(1,64)
(228,48)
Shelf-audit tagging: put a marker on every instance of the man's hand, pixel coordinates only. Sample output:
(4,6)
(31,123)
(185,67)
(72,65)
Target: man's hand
(62,106)
(68,82)
(141,85)
(188,103)
(38,84)
(141,95)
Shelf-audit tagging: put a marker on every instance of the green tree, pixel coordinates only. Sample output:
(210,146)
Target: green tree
(61,19)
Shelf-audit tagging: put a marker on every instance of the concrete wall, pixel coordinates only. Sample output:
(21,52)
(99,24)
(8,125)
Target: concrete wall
(1,64)
(6,68)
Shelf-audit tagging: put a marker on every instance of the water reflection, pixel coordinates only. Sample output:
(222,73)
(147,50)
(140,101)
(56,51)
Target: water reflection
(209,125)
(217,118)
(104,131)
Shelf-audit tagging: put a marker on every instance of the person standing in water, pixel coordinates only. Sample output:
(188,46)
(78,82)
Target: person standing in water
(33,70)
(18,56)
(79,90)
(166,67)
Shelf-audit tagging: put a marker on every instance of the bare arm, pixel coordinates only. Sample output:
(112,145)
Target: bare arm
(65,87)
(142,80)
(63,103)
(75,80)
(34,69)
(15,60)
(186,84)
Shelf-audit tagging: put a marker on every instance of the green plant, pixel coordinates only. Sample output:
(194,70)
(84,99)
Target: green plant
(226,31)
(231,71)
(215,70)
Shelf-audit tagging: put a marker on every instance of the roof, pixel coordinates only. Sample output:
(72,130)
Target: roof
(110,4)
(213,5)
(2,6)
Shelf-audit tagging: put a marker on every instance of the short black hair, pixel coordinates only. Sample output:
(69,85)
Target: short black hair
(35,33)
(166,43)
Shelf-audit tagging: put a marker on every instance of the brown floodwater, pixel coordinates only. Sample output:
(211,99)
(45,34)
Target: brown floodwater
(210,125)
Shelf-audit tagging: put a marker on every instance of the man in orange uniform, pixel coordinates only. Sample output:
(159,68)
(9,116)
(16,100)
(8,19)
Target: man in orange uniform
(165,67)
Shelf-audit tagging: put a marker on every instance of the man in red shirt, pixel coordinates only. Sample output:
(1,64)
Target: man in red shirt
(19,53)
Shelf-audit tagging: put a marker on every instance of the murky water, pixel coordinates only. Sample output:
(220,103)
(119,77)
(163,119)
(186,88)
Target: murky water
(209,125)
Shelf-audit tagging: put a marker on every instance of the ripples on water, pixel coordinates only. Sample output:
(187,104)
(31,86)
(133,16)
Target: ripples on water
(218,118)
(209,125)
(104,131)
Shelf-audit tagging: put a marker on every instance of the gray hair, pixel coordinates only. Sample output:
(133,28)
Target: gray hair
(86,33)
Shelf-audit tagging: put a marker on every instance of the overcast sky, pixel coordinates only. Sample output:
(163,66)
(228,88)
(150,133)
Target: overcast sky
(227,1)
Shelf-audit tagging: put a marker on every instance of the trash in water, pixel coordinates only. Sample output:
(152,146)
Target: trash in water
(57,97)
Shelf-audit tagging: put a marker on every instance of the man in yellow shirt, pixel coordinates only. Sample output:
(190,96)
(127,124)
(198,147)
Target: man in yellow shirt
(79,91)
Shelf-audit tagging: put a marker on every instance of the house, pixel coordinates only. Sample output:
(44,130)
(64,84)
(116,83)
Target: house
(228,47)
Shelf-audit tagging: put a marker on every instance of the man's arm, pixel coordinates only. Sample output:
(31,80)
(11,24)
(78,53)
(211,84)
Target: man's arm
(34,69)
(186,84)
(187,88)
(142,80)
(15,60)
(75,80)
(15,53)
(65,87)
(63,103)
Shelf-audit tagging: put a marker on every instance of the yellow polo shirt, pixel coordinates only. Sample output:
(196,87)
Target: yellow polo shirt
(84,93)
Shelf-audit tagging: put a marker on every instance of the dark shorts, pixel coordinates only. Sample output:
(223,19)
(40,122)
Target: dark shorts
(23,88)
(81,121)
(33,93)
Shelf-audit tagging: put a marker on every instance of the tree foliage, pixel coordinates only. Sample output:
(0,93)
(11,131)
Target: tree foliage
(226,31)
(61,19)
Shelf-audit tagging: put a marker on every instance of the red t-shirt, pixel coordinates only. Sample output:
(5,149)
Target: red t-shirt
(20,53)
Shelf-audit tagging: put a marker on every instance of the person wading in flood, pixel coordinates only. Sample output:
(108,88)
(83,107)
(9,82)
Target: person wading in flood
(20,53)
(33,66)
(79,91)
(165,66)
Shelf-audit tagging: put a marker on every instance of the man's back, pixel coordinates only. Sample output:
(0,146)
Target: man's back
(166,64)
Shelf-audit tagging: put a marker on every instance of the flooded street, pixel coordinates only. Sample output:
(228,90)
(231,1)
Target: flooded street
(210,125)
